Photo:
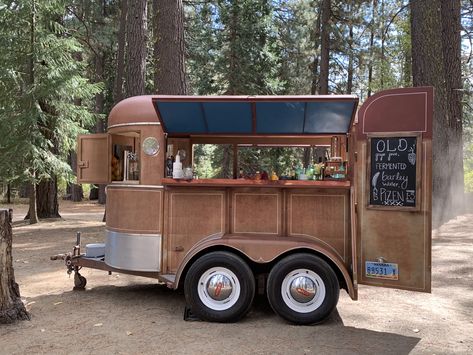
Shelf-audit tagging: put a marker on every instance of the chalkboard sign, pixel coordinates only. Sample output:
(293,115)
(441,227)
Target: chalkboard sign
(393,163)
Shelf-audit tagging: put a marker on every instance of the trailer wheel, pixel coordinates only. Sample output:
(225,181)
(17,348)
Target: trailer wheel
(303,289)
(219,287)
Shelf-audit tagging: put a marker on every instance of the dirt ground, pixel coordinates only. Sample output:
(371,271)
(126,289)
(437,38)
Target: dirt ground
(131,315)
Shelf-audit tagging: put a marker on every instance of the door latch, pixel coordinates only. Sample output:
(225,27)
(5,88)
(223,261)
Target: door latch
(83,163)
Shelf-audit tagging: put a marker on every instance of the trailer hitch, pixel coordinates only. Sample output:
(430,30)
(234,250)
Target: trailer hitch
(79,280)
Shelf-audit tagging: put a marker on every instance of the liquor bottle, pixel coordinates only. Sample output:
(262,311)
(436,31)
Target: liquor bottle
(169,162)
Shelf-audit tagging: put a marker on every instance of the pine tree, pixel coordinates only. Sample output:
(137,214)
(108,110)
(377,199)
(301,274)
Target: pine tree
(201,44)
(436,61)
(41,80)
(247,63)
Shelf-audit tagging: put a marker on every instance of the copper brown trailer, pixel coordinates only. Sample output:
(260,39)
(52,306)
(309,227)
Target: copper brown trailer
(361,214)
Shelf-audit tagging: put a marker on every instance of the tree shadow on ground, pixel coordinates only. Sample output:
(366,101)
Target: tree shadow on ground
(154,314)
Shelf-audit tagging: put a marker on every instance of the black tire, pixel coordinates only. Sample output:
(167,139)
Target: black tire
(235,272)
(310,307)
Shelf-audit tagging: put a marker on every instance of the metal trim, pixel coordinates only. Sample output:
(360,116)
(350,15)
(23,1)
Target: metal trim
(135,234)
(135,124)
(135,186)
(134,252)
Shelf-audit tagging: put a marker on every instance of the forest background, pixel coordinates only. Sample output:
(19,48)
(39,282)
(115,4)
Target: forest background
(64,64)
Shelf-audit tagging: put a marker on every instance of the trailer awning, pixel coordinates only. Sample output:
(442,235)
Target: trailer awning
(255,115)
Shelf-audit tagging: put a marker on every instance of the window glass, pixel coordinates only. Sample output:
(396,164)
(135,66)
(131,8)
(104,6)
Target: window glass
(282,160)
(213,161)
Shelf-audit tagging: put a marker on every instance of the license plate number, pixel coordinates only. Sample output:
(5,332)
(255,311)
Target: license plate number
(378,270)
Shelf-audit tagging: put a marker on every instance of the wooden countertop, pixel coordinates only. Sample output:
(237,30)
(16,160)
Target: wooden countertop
(255,183)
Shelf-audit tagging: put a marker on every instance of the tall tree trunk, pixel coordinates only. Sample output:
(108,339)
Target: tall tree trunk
(45,193)
(325,48)
(47,202)
(32,212)
(371,50)
(435,61)
(8,193)
(320,82)
(76,191)
(11,306)
(136,49)
(383,41)
(350,53)
(233,87)
(169,49)
(118,88)
(99,108)
(315,64)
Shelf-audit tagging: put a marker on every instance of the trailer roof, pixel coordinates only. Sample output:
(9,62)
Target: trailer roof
(255,115)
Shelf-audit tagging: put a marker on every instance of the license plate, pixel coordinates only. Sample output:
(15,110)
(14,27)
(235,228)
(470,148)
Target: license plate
(386,271)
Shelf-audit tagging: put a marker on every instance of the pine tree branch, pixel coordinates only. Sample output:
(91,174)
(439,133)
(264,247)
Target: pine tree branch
(393,18)
(87,30)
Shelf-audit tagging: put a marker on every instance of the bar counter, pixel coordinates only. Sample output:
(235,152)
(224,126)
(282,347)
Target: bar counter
(345,184)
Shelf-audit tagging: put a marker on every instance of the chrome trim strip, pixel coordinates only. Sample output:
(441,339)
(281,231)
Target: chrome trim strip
(133,234)
(135,124)
(133,186)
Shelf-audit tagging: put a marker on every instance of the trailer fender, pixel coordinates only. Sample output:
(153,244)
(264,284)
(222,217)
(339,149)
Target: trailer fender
(263,249)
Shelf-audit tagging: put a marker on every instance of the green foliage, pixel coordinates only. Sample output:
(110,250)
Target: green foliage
(216,161)
(469,181)
(203,159)
(232,48)
(94,25)
(212,161)
(41,83)
(297,44)
(278,159)
(202,45)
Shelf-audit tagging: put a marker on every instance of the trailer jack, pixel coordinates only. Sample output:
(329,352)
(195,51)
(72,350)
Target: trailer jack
(79,280)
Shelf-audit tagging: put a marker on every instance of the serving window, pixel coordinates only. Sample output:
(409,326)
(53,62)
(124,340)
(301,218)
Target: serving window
(320,159)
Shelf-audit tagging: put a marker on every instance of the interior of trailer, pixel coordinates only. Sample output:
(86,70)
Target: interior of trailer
(258,140)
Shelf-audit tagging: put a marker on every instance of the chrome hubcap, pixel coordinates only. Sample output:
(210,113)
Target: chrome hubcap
(219,287)
(303,289)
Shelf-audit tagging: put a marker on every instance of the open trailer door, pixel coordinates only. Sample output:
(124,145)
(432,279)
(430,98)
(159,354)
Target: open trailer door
(394,189)
(93,162)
